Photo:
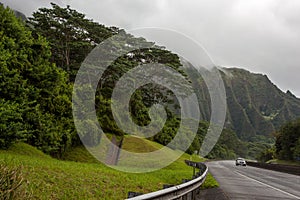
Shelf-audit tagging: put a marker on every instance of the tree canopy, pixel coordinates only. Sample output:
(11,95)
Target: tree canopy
(288,141)
(70,34)
(35,94)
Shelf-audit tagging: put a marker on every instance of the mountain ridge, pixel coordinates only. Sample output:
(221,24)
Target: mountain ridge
(17,13)
(256,106)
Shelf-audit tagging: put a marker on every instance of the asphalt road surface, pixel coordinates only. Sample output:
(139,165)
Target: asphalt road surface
(238,182)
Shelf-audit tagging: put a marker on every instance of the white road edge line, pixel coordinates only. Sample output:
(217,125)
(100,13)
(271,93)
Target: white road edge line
(269,186)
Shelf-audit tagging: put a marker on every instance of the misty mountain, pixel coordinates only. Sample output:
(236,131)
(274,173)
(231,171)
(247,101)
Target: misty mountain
(18,14)
(255,105)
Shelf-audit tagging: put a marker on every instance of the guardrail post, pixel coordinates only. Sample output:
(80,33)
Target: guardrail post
(133,194)
(194,170)
(195,193)
(165,186)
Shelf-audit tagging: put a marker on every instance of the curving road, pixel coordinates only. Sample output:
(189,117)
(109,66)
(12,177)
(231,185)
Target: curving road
(239,182)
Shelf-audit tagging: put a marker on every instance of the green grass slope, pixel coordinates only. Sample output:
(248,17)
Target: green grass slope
(284,162)
(87,178)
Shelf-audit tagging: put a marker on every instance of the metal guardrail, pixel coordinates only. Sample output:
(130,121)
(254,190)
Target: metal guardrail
(185,191)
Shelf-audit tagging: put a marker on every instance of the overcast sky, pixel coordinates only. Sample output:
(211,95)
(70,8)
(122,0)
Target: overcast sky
(261,36)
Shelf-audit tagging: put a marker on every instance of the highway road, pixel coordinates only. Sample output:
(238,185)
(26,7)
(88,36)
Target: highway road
(239,182)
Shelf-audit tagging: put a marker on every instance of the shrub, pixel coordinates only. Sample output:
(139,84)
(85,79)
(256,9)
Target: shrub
(12,183)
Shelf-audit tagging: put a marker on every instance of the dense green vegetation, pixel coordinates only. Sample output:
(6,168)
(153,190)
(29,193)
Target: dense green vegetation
(229,146)
(288,141)
(286,149)
(70,35)
(35,95)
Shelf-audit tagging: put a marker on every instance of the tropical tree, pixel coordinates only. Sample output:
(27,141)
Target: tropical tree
(70,34)
(287,141)
(35,94)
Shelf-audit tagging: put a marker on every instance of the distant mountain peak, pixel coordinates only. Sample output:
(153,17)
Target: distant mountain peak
(256,106)
(17,13)
(288,92)
(226,72)
(20,15)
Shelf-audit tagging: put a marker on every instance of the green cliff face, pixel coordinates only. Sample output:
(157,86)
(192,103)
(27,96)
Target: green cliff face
(255,105)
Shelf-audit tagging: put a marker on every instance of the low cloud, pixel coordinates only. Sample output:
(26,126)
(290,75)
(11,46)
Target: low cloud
(261,36)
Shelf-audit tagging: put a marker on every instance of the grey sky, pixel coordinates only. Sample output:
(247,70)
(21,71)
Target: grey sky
(259,35)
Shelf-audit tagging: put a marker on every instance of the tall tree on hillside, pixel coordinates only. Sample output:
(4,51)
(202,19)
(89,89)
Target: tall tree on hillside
(287,141)
(70,34)
(35,94)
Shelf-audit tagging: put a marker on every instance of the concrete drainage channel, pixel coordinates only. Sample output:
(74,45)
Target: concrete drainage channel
(188,190)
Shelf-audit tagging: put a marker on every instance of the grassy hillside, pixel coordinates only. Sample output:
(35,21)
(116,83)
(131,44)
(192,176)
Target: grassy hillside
(87,178)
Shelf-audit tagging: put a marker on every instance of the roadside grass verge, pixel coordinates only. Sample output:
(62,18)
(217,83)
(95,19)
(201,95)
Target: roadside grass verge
(86,178)
(210,182)
(284,162)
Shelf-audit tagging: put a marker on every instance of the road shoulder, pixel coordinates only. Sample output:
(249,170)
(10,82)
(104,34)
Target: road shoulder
(212,194)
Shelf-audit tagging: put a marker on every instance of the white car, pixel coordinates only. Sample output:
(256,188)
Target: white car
(240,161)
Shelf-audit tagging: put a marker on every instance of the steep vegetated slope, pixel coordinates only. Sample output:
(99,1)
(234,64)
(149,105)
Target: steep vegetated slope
(256,108)
(255,105)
